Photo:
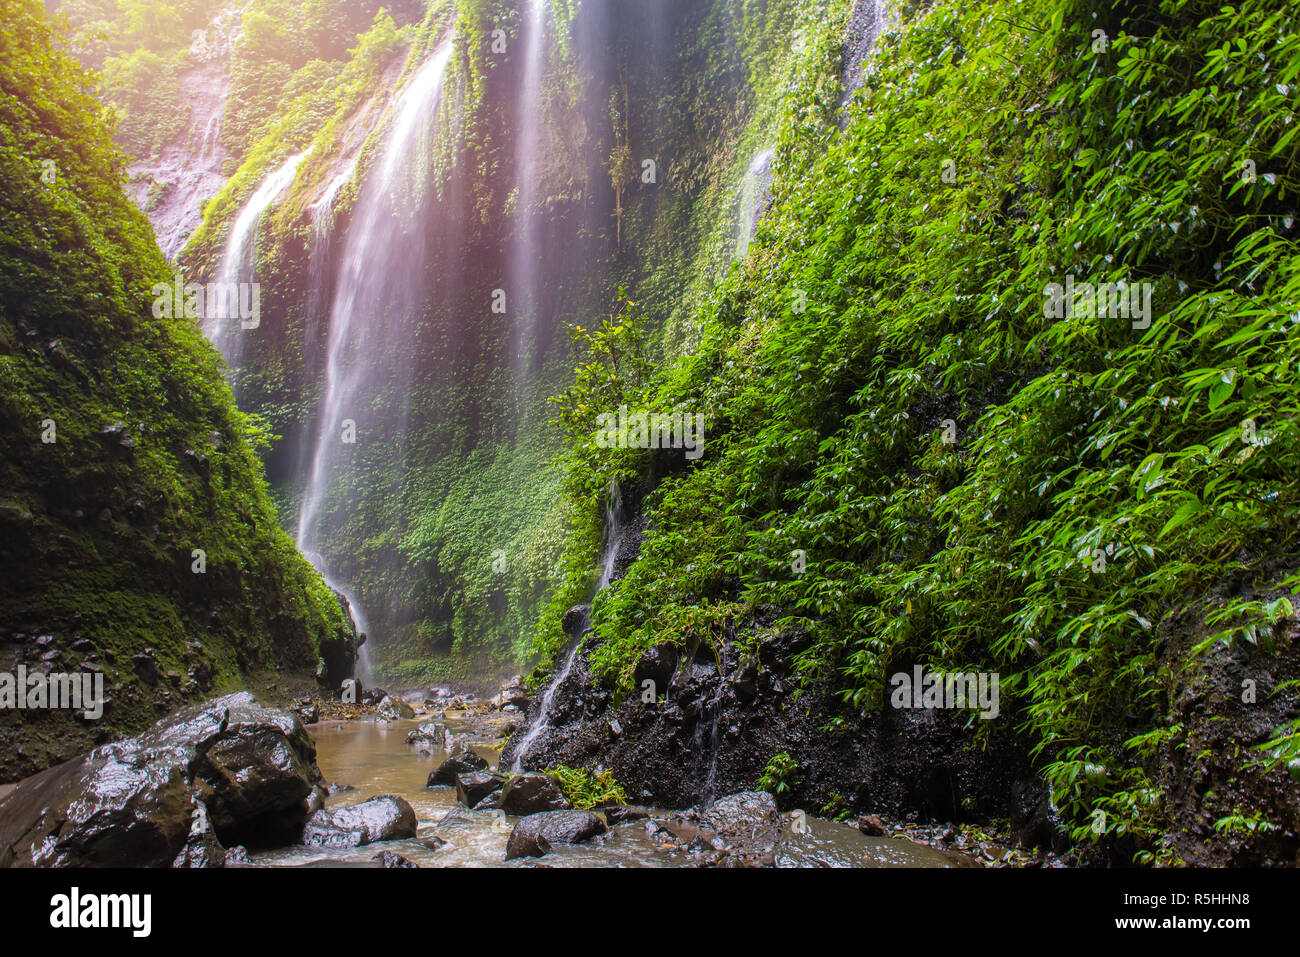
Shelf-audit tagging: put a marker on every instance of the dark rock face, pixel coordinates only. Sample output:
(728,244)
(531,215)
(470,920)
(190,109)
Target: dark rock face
(1202,772)
(717,721)
(466,762)
(383,818)
(656,665)
(1034,822)
(536,834)
(473,786)
(532,793)
(229,765)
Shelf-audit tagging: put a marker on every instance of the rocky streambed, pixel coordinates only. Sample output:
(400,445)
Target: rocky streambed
(395,783)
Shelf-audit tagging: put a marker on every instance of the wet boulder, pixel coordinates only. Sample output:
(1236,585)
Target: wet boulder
(536,834)
(463,763)
(134,802)
(623,813)
(473,786)
(237,856)
(383,818)
(512,695)
(430,732)
(202,849)
(748,824)
(389,859)
(391,708)
(871,825)
(307,711)
(262,773)
(532,793)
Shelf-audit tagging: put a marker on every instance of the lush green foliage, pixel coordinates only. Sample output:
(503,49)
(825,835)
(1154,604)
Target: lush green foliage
(588,789)
(1103,479)
(779,775)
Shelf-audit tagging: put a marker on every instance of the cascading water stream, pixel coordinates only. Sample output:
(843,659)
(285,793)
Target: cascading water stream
(321,212)
(524,263)
(237,260)
(173,186)
(378,290)
(608,562)
(754,192)
(869,19)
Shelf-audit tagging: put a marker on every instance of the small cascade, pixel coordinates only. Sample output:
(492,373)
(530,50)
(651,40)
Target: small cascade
(362,669)
(539,724)
(608,562)
(322,216)
(870,18)
(714,745)
(322,210)
(752,200)
(613,536)
(237,260)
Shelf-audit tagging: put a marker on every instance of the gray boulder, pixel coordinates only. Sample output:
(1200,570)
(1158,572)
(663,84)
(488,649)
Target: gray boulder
(383,818)
(472,787)
(748,824)
(133,803)
(536,834)
(532,793)
(391,708)
(463,763)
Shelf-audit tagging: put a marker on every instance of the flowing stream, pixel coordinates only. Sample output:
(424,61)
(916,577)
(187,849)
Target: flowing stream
(375,759)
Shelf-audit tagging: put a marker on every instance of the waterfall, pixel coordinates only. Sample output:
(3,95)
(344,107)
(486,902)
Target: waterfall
(378,290)
(867,22)
(714,704)
(525,247)
(237,259)
(608,562)
(173,186)
(321,212)
(752,199)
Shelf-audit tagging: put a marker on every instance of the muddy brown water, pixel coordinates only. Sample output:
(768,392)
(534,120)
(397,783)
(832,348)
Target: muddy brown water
(375,759)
